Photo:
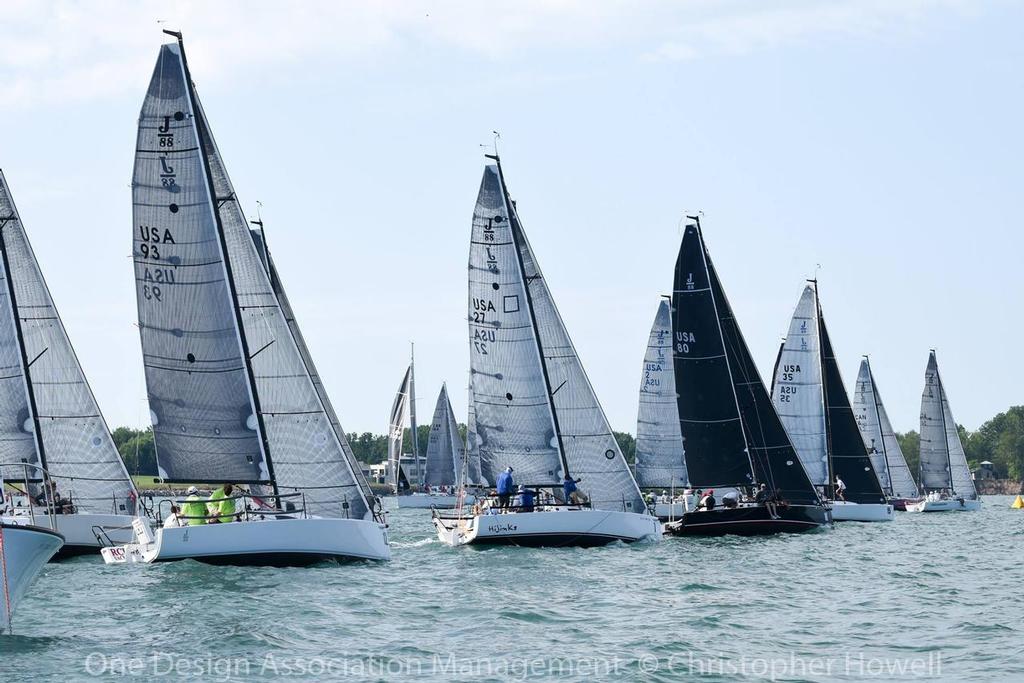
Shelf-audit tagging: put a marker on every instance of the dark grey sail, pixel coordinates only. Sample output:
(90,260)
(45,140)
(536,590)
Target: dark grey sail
(943,461)
(48,414)
(519,344)
(477,477)
(285,419)
(731,433)
(446,453)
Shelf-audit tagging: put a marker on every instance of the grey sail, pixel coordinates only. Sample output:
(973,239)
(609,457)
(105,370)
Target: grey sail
(580,437)
(446,454)
(201,406)
(298,450)
(396,429)
(659,442)
(943,461)
(53,396)
(880,438)
(513,415)
(307,359)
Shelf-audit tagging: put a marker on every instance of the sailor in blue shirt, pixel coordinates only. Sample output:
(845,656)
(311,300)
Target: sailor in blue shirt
(570,490)
(505,486)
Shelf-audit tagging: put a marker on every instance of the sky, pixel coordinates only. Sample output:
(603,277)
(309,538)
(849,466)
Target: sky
(875,143)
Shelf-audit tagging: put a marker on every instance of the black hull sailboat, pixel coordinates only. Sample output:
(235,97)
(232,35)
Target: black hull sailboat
(733,439)
(749,520)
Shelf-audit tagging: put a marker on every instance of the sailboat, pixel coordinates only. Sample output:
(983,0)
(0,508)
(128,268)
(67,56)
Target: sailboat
(24,549)
(945,476)
(535,410)
(234,397)
(812,403)
(660,464)
(409,494)
(880,440)
(52,433)
(734,441)
(448,475)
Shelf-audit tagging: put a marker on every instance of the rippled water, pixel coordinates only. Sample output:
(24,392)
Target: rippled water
(938,592)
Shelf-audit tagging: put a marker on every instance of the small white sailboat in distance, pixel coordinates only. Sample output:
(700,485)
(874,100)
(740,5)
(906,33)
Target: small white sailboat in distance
(660,463)
(447,475)
(812,403)
(52,432)
(535,411)
(945,475)
(880,440)
(406,482)
(234,396)
(24,548)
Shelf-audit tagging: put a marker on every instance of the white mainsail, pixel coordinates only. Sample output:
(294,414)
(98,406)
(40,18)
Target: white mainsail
(880,438)
(536,409)
(48,414)
(660,462)
(943,461)
(798,391)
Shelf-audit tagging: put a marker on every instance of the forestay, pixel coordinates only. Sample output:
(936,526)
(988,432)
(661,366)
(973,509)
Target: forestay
(659,444)
(731,433)
(77,449)
(943,461)
(798,390)
(880,438)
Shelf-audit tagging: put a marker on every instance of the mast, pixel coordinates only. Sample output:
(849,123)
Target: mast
(418,476)
(830,483)
(37,432)
(945,434)
(878,418)
(229,276)
(514,224)
(725,351)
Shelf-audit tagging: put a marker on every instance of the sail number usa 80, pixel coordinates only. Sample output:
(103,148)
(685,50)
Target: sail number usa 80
(683,341)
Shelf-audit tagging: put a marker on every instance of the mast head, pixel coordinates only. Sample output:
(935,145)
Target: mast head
(175,34)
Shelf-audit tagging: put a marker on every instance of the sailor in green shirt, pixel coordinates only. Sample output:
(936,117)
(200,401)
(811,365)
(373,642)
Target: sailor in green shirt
(194,507)
(221,504)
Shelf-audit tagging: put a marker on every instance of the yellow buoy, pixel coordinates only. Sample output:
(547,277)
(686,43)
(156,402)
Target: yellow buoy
(1018,503)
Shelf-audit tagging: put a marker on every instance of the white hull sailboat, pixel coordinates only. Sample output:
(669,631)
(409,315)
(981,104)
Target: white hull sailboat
(939,504)
(881,442)
(944,473)
(843,511)
(234,394)
(811,400)
(559,526)
(24,550)
(534,414)
(60,448)
(270,542)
